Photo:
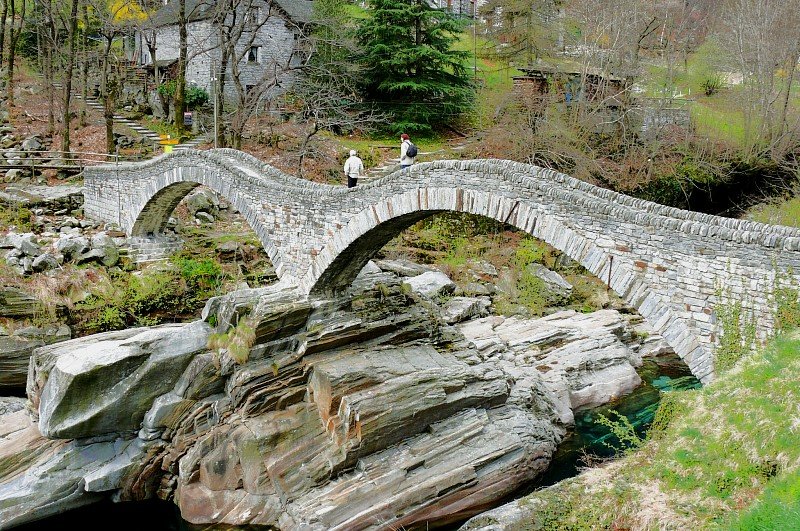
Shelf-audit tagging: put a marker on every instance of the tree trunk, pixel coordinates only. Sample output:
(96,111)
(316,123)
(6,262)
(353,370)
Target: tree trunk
(73,30)
(13,36)
(108,91)
(219,94)
(180,83)
(51,93)
(84,66)
(3,20)
(793,58)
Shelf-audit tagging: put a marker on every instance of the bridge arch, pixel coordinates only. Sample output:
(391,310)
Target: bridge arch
(150,206)
(368,231)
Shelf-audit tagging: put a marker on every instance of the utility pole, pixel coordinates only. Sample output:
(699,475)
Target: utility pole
(474,42)
(214,89)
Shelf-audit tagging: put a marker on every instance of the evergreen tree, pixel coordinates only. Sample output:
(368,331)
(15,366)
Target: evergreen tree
(410,69)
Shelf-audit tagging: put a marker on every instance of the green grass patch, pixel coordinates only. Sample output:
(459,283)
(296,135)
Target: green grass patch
(782,212)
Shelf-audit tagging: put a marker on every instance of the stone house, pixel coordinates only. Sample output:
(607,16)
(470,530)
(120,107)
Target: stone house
(270,40)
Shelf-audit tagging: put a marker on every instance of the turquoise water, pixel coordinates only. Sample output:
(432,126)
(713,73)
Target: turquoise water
(659,375)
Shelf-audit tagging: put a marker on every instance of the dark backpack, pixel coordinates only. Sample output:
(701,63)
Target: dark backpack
(411,151)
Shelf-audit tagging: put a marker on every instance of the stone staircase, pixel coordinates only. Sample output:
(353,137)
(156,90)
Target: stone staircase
(134,126)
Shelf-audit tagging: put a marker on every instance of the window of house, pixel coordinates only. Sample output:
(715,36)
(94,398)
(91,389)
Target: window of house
(252,17)
(253,54)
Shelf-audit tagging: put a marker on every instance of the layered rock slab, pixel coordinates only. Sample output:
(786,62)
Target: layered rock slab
(385,438)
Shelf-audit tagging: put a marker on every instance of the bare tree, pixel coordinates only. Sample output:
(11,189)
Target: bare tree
(764,40)
(251,75)
(18,11)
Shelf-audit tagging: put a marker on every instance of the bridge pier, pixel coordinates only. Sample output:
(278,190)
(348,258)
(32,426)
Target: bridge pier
(151,248)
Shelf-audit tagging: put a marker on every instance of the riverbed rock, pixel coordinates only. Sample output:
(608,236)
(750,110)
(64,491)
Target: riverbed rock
(125,370)
(556,290)
(15,303)
(363,410)
(582,357)
(431,284)
(49,475)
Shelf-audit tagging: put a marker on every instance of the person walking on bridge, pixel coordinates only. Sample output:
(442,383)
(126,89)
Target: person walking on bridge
(407,151)
(353,168)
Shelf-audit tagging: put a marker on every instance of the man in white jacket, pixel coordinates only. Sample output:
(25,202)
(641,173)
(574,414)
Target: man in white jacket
(353,168)
(405,160)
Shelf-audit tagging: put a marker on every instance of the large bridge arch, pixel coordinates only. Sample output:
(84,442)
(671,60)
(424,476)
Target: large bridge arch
(369,230)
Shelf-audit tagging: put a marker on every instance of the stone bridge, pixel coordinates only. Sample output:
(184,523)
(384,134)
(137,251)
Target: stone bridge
(673,266)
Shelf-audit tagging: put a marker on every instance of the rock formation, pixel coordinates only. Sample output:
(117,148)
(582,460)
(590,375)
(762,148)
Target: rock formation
(367,410)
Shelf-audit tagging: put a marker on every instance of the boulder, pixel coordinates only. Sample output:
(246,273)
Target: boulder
(15,174)
(32,143)
(45,262)
(482,270)
(202,200)
(460,309)
(26,243)
(105,243)
(72,246)
(204,217)
(556,289)
(431,284)
(404,268)
(92,255)
(105,384)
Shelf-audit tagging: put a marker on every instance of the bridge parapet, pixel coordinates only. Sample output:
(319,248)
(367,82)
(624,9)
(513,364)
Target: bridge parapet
(672,265)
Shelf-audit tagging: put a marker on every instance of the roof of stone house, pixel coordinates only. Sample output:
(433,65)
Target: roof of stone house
(299,11)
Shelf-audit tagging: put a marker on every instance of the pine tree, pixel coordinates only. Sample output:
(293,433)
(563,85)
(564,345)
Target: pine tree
(410,69)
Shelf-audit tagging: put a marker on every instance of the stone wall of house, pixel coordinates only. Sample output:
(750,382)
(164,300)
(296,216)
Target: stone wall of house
(275,38)
(202,42)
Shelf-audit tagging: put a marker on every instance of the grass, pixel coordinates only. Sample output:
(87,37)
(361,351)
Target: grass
(727,459)
(781,212)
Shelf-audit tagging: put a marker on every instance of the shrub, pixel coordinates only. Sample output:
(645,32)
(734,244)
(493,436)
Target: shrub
(711,85)
(18,216)
(737,333)
(195,97)
(204,274)
(236,341)
(623,430)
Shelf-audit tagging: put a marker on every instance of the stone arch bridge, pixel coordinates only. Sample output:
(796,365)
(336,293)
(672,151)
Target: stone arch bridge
(672,265)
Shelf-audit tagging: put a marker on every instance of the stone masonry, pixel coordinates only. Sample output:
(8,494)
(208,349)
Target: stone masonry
(673,266)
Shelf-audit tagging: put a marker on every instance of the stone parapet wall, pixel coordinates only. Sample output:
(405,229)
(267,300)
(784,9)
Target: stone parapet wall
(672,265)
